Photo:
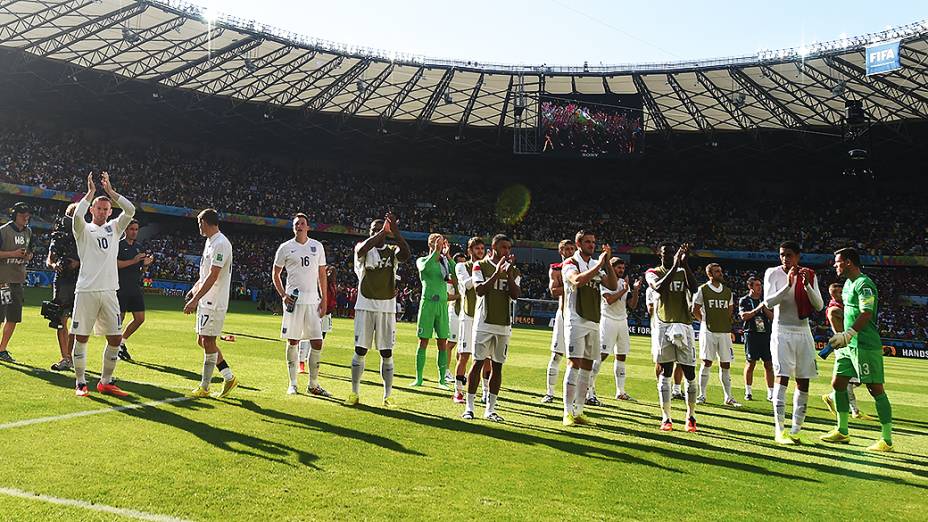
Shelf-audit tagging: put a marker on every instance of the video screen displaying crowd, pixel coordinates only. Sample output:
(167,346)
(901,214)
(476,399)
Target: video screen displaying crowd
(580,129)
(738,216)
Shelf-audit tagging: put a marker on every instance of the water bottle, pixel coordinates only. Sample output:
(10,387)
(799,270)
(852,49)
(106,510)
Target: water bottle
(295,295)
(824,352)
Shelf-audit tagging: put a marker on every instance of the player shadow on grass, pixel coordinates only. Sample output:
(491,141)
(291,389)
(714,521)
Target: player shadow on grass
(802,465)
(426,389)
(226,440)
(478,428)
(180,372)
(137,392)
(295,421)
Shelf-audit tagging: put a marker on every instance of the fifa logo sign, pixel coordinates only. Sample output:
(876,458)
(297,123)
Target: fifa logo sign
(676,286)
(716,303)
(882,55)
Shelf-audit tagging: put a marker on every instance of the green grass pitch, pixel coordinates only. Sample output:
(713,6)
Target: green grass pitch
(263,455)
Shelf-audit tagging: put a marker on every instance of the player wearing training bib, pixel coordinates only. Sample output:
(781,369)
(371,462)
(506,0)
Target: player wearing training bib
(865,348)
(672,337)
(556,287)
(304,260)
(583,276)
(476,249)
(792,293)
(375,264)
(209,297)
(454,311)
(96,306)
(496,283)
(834,313)
(713,306)
(613,328)
(434,272)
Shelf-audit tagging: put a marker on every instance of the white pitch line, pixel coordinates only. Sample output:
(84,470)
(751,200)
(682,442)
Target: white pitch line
(131,513)
(135,406)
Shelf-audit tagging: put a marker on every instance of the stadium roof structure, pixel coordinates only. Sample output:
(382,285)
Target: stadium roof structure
(177,45)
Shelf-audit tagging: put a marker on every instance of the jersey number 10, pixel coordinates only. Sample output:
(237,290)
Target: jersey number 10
(103,243)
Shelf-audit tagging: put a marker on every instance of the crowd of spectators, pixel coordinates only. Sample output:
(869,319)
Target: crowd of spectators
(720,218)
(738,216)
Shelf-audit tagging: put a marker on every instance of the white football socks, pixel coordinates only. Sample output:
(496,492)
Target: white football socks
(800,400)
(779,406)
(357,370)
(553,368)
(209,364)
(591,389)
(583,386)
(704,376)
(292,354)
(570,388)
(618,367)
(491,405)
(386,373)
(690,398)
(110,356)
(314,357)
(725,377)
(79,358)
(663,395)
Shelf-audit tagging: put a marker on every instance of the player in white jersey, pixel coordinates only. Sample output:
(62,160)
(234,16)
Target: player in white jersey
(613,331)
(476,249)
(556,287)
(792,293)
(209,297)
(95,301)
(713,306)
(584,277)
(304,300)
(375,264)
(455,310)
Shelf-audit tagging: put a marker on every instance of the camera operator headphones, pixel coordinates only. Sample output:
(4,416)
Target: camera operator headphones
(20,207)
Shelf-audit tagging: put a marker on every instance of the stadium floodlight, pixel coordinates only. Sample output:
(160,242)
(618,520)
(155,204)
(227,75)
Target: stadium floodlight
(838,88)
(448,99)
(250,65)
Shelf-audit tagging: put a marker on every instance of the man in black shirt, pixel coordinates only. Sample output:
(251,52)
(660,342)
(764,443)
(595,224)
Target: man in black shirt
(63,259)
(131,261)
(757,321)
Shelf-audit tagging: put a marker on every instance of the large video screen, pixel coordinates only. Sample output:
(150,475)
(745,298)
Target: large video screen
(591,126)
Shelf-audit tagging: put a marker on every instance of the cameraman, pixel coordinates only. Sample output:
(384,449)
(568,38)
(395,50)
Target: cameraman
(131,261)
(63,259)
(15,251)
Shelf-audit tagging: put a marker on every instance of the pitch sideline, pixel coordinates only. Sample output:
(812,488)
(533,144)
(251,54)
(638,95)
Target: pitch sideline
(103,508)
(54,418)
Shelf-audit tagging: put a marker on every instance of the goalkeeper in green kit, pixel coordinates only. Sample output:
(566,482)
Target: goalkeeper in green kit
(434,271)
(862,338)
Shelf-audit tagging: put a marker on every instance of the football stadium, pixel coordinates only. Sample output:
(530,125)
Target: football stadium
(250,274)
